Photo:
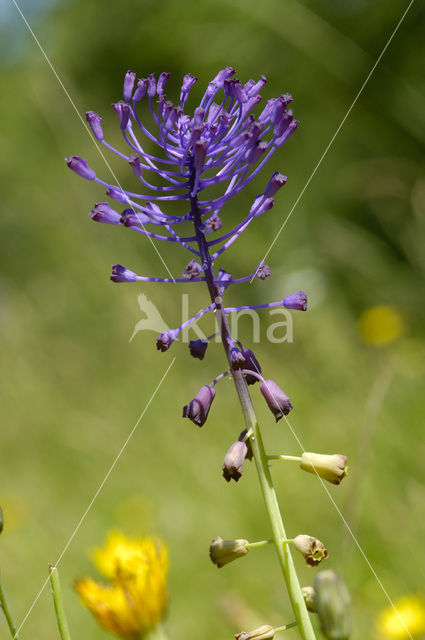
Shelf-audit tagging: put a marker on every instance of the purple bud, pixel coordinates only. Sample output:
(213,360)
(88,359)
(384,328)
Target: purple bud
(134,162)
(233,461)
(201,147)
(122,110)
(233,88)
(102,212)
(166,339)
(187,84)
(192,270)
(140,90)
(250,105)
(263,271)
(275,183)
(256,152)
(261,205)
(218,81)
(129,80)
(296,301)
(80,167)
(277,401)
(94,121)
(256,88)
(197,410)
(132,218)
(289,131)
(252,364)
(173,117)
(236,358)
(117,194)
(121,274)
(162,81)
(213,223)
(198,348)
(249,454)
(151,85)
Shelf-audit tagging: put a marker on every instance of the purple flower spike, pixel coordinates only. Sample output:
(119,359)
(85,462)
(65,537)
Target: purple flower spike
(102,212)
(197,410)
(296,301)
(129,80)
(121,274)
(166,339)
(192,270)
(276,182)
(198,348)
(252,364)
(234,460)
(94,121)
(277,401)
(80,167)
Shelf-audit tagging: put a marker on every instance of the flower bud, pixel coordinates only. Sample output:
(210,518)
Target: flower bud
(252,364)
(266,632)
(197,410)
(187,84)
(122,110)
(102,212)
(166,339)
(198,348)
(192,270)
(308,595)
(332,601)
(94,121)
(224,277)
(224,551)
(311,548)
(135,164)
(129,80)
(233,461)
(80,167)
(263,271)
(261,205)
(140,90)
(277,401)
(275,183)
(247,441)
(213,223)
(121,274)
(236,358)
(332,468)
(162,81)
(296,301)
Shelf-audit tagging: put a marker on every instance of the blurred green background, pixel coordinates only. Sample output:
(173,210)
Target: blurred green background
(73,386)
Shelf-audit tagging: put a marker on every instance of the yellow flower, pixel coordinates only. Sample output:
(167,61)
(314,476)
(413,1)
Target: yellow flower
(381,325)
(411,610)
(135,600)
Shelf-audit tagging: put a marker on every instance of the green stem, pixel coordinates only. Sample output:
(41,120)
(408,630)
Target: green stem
(261,543)
(279,535)
(58,602)
(157,633)
(4,605)
(285,627)
(281,457)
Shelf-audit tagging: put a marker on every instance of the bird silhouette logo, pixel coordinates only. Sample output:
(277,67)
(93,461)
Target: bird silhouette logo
(153,320)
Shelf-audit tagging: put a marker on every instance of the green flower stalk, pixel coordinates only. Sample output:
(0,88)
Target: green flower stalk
(220,144)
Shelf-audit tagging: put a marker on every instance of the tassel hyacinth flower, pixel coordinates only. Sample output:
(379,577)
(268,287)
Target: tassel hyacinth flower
(189,164)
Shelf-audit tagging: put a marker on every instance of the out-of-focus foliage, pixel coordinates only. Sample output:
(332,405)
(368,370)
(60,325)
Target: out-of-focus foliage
(73,386)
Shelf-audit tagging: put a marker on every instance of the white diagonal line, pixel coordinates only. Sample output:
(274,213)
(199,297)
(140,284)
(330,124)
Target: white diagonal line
(99,489)
(85,126)
(322,157)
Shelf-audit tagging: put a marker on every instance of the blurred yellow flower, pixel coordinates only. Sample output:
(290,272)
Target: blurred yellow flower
(381,325)
(135,600)
(411,610)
